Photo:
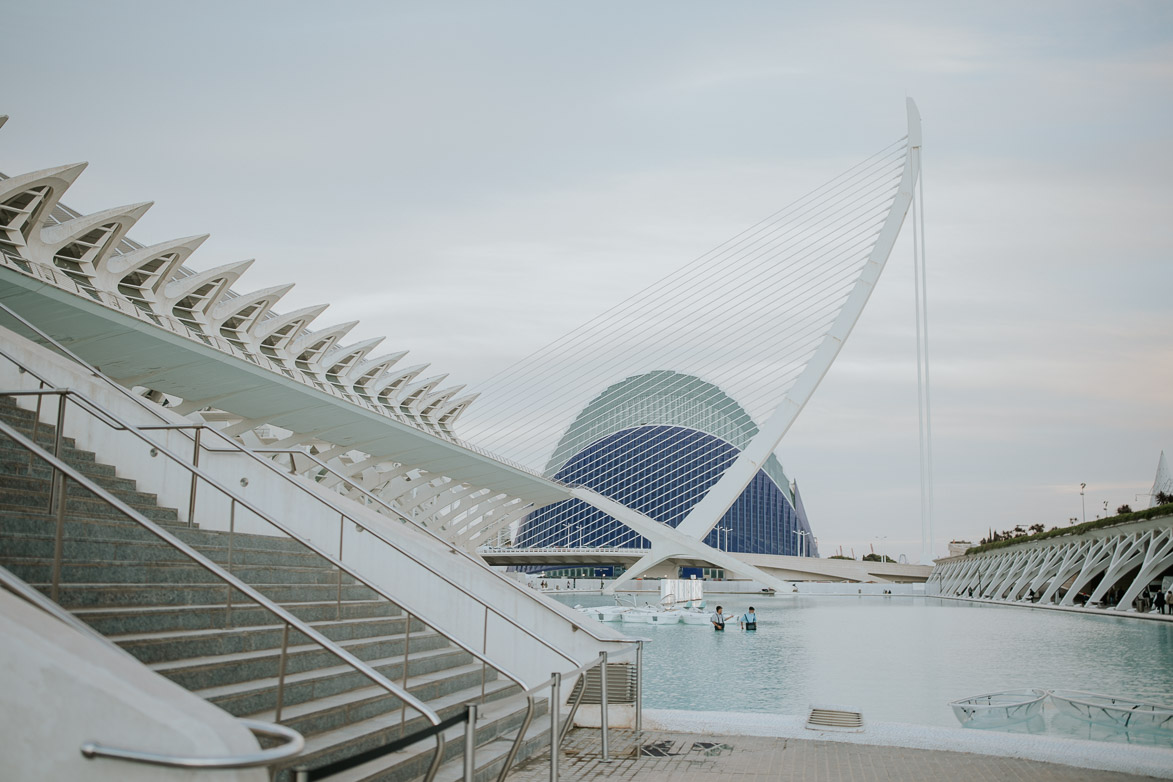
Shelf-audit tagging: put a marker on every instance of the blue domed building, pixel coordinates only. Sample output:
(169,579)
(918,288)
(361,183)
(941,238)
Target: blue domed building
(657,442)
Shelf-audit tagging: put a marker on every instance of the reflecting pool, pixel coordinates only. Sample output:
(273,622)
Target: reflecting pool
(901,659)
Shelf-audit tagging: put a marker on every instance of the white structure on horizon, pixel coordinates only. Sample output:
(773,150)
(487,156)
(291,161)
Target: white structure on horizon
(1163,483)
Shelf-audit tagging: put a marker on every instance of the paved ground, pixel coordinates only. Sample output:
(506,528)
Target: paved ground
(652,756)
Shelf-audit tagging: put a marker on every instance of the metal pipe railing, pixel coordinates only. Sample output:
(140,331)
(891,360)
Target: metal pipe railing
(66,472)
(293,744)
(239,448)
(114,422)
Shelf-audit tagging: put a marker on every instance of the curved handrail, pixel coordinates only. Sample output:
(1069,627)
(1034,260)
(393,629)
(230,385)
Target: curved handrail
(289,619)
(293,744)
(117,423)
(239,448)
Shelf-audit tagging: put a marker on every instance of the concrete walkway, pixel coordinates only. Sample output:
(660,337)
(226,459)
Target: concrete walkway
(660,756)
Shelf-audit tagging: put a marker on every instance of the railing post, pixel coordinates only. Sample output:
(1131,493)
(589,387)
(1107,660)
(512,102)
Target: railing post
(36,423)
(555,702)
(281,672)
(231,539)
(485,651)
(603,704)
(639,686)
(341,530)
(59,479)
(195,462)
(54,484)
(470,743)
(406,661)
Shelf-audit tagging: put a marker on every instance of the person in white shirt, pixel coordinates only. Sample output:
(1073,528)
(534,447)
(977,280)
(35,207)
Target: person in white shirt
(718,620)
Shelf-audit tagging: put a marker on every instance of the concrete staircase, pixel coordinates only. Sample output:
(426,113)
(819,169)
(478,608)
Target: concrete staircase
(173,616)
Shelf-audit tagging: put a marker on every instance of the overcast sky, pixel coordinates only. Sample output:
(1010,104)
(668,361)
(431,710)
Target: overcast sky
(474,179)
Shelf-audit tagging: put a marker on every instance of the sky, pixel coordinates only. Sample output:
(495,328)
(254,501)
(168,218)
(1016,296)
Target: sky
(472,180)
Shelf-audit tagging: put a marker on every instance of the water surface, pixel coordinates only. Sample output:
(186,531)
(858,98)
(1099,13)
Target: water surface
(900,658)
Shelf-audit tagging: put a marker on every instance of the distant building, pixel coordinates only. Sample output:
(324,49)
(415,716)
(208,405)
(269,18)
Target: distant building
(958,547)
(1163,481)
(658,442)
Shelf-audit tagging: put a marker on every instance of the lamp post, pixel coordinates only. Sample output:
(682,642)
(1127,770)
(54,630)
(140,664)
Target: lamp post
(881,538)
(801,540)
(1082,501)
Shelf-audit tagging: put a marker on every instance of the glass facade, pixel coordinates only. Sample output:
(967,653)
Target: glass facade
(663,471)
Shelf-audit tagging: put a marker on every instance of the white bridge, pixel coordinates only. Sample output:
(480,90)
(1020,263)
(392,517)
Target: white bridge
(783,568)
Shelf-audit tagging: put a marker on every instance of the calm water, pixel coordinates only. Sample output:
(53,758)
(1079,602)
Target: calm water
(899,659)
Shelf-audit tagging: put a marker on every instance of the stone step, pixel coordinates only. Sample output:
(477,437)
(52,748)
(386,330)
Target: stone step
(107,595)
(40,486)
(40,571)
(153,551)
(143,619)
(155,647)
(412,762)
(80,505)
(491,755)
(200,673)
(327,713)
(258,695)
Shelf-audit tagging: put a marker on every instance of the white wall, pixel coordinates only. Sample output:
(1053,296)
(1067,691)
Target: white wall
(60,688)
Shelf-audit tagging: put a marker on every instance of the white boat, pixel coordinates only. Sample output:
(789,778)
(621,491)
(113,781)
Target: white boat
(1111,710)
(999,707)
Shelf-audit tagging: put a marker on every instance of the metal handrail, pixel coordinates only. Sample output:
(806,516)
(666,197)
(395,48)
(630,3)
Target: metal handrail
(294,744)
(112,420)
(239,448)
(63,471)
(119,424)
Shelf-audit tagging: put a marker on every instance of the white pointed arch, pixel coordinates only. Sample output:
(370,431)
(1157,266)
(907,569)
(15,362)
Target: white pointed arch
(25,200)
(190,298)
(141,273)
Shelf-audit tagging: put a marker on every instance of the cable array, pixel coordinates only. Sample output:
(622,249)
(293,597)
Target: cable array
(714,346)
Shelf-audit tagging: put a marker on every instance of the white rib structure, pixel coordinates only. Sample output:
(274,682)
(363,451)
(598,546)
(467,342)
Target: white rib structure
(1107,567)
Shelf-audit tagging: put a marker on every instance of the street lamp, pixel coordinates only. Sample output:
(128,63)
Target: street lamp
(881,538)
(1082,502)
(801,540)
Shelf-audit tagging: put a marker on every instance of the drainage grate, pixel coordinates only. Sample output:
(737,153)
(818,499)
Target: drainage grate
(840,718)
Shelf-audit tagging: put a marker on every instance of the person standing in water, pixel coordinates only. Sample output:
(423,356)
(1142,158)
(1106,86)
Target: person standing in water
(718,620)
(749,620)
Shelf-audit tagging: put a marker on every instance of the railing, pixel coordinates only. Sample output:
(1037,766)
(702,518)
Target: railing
(298,454)
(293,742)
(63,472)
(559,727)
(116,423)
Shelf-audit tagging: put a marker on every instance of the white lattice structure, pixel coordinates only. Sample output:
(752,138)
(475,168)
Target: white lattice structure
(1117,562)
